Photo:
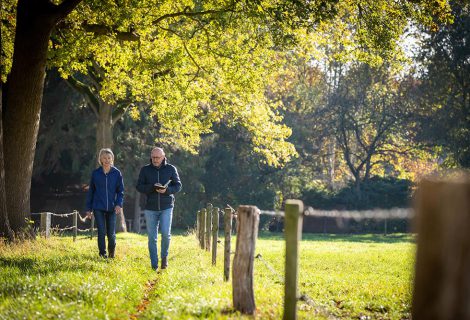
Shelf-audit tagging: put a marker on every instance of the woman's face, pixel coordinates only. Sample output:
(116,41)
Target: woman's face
(106,160)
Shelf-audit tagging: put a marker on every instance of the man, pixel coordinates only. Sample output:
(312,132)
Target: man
(159,180)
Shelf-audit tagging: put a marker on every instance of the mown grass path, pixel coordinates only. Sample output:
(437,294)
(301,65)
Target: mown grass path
(345,277)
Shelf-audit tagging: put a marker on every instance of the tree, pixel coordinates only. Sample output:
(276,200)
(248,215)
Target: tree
(34,23)
(36,19)
(443,94)
(370,118)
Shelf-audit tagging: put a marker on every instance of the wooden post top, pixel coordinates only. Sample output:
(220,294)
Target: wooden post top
(296,202)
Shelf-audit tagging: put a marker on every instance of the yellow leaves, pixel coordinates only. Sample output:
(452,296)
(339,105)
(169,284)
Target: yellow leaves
(134,112)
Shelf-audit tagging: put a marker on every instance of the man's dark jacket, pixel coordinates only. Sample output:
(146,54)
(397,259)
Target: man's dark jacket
(149,175)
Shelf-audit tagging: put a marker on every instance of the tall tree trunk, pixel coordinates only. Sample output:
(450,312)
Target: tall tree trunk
(35,20)
(23,106)
(5,230)
(358,187)
(104,127)
(104,139)
(331,163)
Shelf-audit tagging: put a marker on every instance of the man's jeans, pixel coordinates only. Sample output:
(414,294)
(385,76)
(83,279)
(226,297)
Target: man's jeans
(106,224)
(154,219)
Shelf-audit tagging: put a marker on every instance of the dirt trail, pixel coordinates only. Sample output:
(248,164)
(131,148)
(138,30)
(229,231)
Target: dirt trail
(149,288)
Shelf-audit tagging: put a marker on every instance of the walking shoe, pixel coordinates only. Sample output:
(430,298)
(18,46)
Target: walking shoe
(111,254)
(164,263)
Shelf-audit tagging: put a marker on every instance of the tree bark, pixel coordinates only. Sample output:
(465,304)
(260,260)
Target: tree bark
(23,106)
(35,21)
(5,230)
(104,127)
(331,163)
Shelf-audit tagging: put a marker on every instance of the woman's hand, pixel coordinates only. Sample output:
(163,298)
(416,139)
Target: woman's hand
(118,210)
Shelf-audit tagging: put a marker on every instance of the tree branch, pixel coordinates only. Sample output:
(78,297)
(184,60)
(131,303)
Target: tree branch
(63,10)
(187,13)
(86,92)
(102,30)
(120,109)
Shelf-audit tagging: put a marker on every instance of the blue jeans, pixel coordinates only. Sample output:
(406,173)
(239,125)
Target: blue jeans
(154,219)
(106,224)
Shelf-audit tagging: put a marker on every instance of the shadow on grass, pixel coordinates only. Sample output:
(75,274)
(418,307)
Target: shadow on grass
(35,266)
(366,238)
(15,269)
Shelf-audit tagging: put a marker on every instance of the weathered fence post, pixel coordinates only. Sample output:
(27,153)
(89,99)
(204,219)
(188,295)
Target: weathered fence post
(442,279)
(75,225)
(208,227)
(227,244)
(202,232)
(293,233)
(45,224)
(215,234)
(92,227)
(198,225)
(243,262)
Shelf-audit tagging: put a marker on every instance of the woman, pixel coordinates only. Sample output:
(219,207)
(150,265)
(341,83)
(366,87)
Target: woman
(104,199)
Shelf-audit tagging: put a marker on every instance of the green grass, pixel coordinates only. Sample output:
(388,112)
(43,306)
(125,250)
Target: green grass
(341,276)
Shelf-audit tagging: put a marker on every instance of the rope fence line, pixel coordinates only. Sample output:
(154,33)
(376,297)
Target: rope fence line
(246,222)
(377,214)
(45,224)
(270,268)
(357,215)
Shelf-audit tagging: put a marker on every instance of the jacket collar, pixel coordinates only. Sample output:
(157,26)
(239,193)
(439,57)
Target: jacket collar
(110,170)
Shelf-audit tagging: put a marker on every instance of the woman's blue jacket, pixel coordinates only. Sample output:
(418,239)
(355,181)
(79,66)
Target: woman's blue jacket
(106,190)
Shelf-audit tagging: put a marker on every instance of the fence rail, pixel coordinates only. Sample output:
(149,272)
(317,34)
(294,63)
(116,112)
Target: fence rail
(45,223)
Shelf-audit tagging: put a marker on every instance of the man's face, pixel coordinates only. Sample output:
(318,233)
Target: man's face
(157,157)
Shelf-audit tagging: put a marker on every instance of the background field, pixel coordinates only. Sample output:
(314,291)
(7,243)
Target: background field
(357,276)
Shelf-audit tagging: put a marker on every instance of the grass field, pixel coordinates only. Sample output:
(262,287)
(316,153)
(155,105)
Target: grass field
(347,277)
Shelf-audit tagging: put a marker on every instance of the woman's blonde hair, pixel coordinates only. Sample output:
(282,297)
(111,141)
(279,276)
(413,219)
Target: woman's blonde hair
(105,151)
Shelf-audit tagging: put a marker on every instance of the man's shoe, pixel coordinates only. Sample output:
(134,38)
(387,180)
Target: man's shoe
(111,254)
(164,263)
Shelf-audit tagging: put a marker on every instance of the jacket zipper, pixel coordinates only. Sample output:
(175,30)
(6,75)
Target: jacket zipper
(107,206)
(158,180)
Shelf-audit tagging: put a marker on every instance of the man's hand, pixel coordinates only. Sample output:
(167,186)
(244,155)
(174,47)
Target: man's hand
(118,210)
(89,214)
(160,190)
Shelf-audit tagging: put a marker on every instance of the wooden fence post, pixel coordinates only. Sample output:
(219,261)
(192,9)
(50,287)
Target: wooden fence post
(92,227)
(202,232)
(227,244)
(243,262)
(198,226)
(45,224)
(207,245)
(293,233)
(215,234)
(442,279)
(75,225)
